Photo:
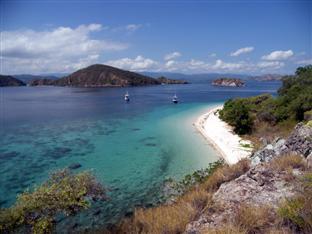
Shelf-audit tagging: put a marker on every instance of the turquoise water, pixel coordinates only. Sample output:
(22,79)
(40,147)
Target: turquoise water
(131,148)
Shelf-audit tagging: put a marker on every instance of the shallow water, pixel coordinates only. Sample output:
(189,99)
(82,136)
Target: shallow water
(131,148)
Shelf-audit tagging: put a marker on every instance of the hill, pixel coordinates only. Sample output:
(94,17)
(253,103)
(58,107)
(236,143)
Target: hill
(10,81)
(106,76)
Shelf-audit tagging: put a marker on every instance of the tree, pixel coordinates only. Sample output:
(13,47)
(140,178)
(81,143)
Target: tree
(64,193)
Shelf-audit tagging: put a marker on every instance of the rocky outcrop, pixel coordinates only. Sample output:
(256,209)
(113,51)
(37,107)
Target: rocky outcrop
(260,186)
(228,82)
(299,142)
(10,81)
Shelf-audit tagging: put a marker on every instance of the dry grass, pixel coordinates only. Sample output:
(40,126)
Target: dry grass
(168,218)
(252,219)
(287,163)
(225,174)
(174,218)
(269,132)
(297,211)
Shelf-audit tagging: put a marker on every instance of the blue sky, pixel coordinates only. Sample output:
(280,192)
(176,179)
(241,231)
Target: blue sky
(178,36)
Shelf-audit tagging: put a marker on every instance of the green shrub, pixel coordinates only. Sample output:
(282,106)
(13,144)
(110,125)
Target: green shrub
(236,113)
(64,193)
(293,101)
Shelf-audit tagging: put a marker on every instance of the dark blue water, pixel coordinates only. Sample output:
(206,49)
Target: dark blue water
(131,148)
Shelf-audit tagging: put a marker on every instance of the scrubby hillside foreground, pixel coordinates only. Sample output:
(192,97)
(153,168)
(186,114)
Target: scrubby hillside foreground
(267,197)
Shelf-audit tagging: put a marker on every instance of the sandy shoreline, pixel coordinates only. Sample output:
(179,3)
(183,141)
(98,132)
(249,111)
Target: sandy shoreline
(220,135)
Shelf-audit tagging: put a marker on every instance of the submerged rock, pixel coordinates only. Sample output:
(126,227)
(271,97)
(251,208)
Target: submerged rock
(74,166)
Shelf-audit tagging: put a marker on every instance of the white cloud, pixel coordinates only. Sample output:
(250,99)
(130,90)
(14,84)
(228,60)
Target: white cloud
(278,55)
(56,50)
(133,27)
(227,66)
(270,65)
(137,64)
(304,62)
(172,55)
(242,51)
(213,55)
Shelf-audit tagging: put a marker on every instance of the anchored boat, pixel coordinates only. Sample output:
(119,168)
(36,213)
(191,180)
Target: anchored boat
(175,99)
(127,97)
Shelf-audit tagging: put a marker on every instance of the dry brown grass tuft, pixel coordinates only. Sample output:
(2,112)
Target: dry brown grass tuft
(168,218)
(287,163)
(270,132)
(252,218)
(174,218)
(225,229)
(225,174)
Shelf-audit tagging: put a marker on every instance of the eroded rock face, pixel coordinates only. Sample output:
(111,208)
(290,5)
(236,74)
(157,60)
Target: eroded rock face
(259,186)
(299,142)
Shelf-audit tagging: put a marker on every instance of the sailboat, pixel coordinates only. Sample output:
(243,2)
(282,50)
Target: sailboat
(127,97)
(175,99)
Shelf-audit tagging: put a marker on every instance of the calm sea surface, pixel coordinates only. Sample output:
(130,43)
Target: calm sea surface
(130,147)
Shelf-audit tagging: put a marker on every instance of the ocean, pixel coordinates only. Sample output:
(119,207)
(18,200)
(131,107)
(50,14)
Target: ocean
(130,147)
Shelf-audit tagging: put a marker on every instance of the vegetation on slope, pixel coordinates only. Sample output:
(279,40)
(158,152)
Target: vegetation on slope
(63,194)
(173,218)
(10,81)
(294,100)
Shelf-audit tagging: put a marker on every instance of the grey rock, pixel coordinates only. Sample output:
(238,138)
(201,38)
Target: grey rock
(298,142)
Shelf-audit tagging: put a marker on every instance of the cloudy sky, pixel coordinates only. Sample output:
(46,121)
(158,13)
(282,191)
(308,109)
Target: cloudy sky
(184,36)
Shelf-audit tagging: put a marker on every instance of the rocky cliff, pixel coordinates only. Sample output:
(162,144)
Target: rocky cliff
(274,176)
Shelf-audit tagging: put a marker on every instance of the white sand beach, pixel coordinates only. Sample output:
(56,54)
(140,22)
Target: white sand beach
(220,135)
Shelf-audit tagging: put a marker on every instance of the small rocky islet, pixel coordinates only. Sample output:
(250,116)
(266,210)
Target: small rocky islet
(228,82)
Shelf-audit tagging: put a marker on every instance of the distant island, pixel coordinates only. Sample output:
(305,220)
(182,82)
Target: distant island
(10,81)
(267,77)
(231,82)
(164,80)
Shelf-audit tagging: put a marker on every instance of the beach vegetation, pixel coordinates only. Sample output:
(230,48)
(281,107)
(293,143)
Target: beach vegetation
(64,193)
(292,104)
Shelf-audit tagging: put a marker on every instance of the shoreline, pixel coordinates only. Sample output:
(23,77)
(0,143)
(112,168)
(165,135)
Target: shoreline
(220,136)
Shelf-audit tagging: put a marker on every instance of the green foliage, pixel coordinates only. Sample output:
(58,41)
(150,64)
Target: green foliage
(236,113)
(294,100)
(298,210)
(64,193)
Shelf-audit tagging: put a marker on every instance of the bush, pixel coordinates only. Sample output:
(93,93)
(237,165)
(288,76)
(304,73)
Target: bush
(236,113)
(64,193)
(293,101)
